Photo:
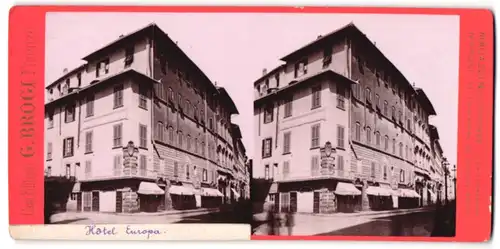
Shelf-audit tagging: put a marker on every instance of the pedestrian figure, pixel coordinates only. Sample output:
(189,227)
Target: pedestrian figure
(271,220)
(289,220)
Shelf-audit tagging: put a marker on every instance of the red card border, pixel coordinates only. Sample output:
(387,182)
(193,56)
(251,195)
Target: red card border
(475,119)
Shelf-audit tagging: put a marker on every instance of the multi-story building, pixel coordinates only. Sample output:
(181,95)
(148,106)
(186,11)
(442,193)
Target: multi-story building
(339,128)
(141,127)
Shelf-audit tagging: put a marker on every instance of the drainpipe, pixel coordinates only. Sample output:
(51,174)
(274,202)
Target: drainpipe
(277,121)
(79,121)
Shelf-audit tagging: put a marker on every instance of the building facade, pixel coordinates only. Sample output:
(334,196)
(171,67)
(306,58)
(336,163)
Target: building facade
(141,128)
(340,129)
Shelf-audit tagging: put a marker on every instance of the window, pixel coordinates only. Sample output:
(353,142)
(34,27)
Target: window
(117,167)
(159,131)
(160,91)
(288,107)
(400,118)
(88,169)
(205,175)
(393,112)
(79,79)
(88,142)
(408,124)
(377,101)
(316,97)
(385,172)
(171,95)
(129,55)
(268,114)
(49,151)
(393,146)
(210,124)
(286,169)
(266,172)
(176,169)
(68,147)
(386,143)
(180,139)
(407,150)
(357,134)
(386,108)
(327,56)
(340,136)
(373,170)
(143,134)
(368,95)
(102,67)
(267,147)
(143,93)
(286,142)
(49,171)
(400,149)
(68,170)
(340,163)
(202,148)
(118,96)
(314,165)
(340,97)
(315,133)
(300,68)
(277,78)
(142,165)
(368,135)
(401,175)
(188,142)
(117,135)
(171,135)
(51,120)
(377,138)
(69,113)
(90,106)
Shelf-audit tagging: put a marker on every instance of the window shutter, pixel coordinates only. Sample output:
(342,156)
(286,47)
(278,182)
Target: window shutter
(64,147)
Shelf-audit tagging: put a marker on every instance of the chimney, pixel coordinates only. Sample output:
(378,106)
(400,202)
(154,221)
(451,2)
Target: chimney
(215,83)
(65,70)
(319,36)
(375,43)
(120,36)
(264,71)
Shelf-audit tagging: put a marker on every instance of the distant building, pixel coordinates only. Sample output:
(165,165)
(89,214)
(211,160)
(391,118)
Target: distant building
(142,128)
(338,128)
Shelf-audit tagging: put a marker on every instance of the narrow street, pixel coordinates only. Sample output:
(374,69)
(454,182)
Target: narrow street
(417,222)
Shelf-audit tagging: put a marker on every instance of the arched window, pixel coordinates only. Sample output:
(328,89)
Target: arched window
(368,95)
(368,135)
(171,94)
(159,131)
(357,134)
(401,149)
(180,138)
(386,143)
(393,146)
(393,112)
(386,106)
(188,142)
(196,145)
(171,135)
(377,138)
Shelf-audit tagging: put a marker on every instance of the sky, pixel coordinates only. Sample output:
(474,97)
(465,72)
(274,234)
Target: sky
(233,48)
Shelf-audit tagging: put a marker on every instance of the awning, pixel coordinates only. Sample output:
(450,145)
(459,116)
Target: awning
(76,188)
(378,191)
(211,192)
(409,193)
(236,194)
(150,188)
(274,188)
(344,188)
(180,190)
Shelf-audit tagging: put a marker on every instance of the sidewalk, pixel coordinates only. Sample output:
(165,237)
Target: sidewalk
(68,217)
(263,215)
(310,224)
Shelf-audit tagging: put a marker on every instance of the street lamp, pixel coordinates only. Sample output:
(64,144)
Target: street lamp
(446,174)
(455,182)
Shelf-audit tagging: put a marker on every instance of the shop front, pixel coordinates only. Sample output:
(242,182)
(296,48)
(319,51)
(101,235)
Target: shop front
(380,197)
